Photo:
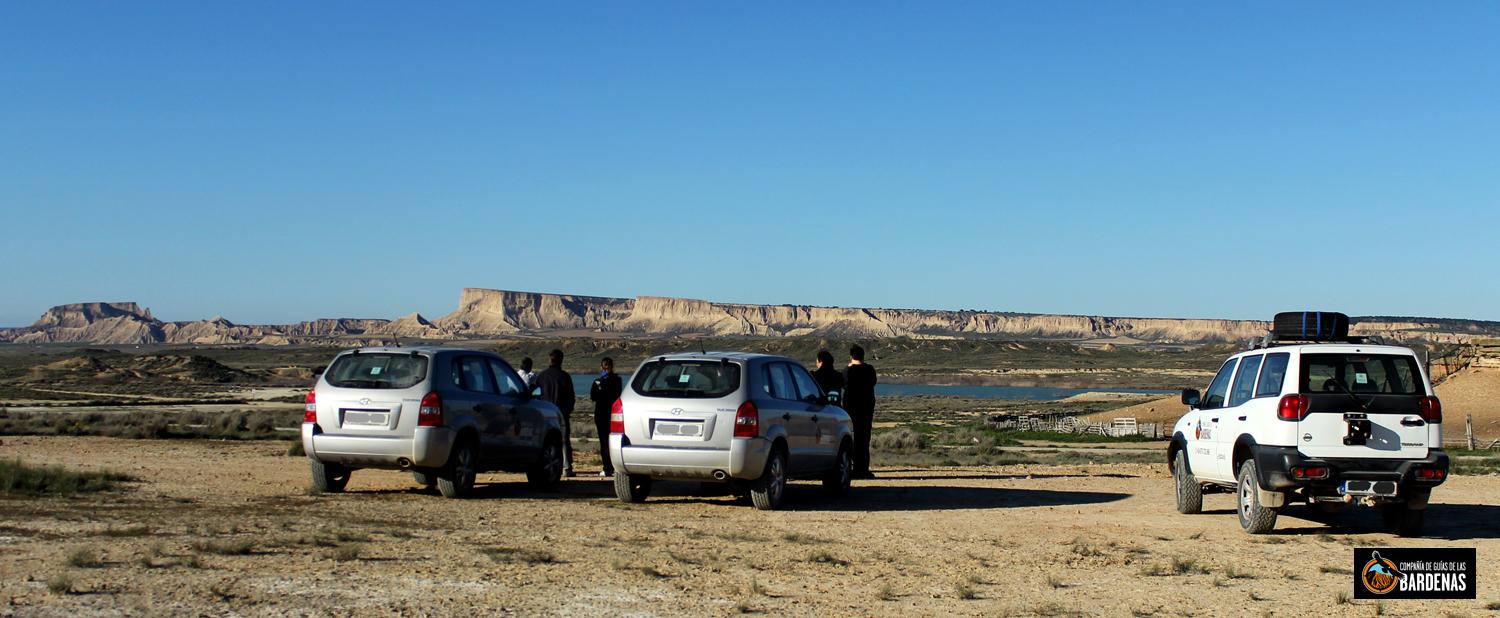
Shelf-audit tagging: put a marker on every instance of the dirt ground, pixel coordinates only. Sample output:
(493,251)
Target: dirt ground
(227,528)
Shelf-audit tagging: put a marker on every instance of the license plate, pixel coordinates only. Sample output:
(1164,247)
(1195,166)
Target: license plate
(1368,488)
(670,429)
(367,418)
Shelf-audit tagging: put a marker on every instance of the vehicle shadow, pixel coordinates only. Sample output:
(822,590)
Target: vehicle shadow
(1451,522)
(808,497)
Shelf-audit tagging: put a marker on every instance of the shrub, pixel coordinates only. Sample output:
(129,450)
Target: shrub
(903,439)
(17,478)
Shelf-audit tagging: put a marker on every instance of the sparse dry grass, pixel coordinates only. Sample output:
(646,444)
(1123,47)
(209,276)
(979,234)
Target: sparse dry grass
(225,547)
(516,555)
(85,558)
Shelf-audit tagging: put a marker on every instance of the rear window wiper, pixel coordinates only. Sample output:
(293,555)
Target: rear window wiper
(1343,387)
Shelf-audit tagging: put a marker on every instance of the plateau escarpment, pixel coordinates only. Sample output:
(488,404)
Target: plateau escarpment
(503,313)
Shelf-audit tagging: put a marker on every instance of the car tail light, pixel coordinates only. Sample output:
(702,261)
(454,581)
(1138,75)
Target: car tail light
(1309,472)
(1293,408)
(431,412)
(1429,474)
(747,421)
(1431,409)
(310,414)
(617,417)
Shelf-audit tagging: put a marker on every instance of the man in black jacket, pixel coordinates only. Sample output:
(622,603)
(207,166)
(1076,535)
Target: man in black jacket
(557,387)
(828,377)
(605,392)
(859,402)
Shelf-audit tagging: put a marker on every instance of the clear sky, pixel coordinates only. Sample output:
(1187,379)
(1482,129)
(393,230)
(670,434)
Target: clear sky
(273,162)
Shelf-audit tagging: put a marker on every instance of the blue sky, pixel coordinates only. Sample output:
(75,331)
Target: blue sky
(284,161)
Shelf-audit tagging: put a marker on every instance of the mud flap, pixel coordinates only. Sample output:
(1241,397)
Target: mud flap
(1271,499)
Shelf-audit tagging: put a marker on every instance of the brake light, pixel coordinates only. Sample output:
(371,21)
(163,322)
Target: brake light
(1293,408)
(431,412)
(1429,474)
(1309,472)
(747,421)
(310,414)
(1431,409)
(617,417)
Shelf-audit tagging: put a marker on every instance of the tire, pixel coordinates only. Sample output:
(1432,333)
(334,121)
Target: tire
(1254,518)
(631,488)
(1400,519)
(767,491)
(1189,492)
(456,480)
(331,478)
(546,473)
(836,482)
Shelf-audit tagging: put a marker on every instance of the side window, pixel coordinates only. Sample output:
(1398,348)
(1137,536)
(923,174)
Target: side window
(781,381)
(1219,388)
(807,387)
(509,382)
(1272,374)
(474,375)
(1244,381)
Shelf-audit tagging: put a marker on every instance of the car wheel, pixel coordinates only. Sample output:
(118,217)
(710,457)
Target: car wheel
(1189,492)
(767,491)
(836,483)
(631,488)
(1254,518)
(456,480)
(332,478)
(545,474)
(425,478)
(1401,519)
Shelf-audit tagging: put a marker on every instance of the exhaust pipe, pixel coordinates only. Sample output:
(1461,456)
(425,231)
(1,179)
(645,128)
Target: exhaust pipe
(404,463)
(720,475)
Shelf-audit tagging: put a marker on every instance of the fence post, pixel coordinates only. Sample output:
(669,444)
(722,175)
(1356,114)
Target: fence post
(1469,430)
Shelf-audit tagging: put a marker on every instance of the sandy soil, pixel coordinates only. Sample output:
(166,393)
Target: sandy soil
(1164,411)
(984,541)
(1473,391)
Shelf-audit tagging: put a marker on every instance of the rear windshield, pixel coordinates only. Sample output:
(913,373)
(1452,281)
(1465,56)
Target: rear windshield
(1395,374)
(688,379)
(377,371)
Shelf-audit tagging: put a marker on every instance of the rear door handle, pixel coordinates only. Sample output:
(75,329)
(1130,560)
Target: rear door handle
(1413,422)
(1242,418)
(1214,419)
(815,418)
(786,417)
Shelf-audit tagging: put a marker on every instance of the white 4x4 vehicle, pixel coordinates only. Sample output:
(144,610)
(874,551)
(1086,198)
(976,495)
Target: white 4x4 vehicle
(1313,416)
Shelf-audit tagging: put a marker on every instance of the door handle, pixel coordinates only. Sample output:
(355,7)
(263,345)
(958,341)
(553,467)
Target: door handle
(1214,419)
(786,417)
(1242,418)
(1412,422)
(815,418)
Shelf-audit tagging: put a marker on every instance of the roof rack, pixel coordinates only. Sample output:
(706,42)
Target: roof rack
(1271,342)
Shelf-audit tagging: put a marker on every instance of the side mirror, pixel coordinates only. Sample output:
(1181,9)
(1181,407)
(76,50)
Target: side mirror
(1191,397)
(317,372)
(832,398)
(535,392)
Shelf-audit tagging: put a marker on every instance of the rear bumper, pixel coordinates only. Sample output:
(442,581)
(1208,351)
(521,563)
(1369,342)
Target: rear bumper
(1274,464)
(428,447)
(745,459)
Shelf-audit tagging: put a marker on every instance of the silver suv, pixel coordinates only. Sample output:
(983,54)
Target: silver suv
(750,420)
(445,414)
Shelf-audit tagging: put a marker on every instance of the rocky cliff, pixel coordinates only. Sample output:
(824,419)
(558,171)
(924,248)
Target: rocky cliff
(498,313)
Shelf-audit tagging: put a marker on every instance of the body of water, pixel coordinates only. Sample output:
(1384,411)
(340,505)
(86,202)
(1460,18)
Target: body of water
(581,384)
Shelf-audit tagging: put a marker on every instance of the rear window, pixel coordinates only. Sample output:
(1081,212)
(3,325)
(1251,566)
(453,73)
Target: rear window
(377,371)
(1395,374)
(688,379)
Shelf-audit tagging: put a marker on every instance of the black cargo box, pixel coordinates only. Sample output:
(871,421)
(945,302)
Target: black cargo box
(1310,326)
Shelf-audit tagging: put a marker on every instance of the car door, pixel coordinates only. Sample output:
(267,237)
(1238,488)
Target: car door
(1234,417)
(522,443)
(1203,451)
(823,446)
(493,421)
(793,414)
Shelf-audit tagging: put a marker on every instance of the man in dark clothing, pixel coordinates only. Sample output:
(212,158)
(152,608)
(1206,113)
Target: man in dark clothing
(828,377)
(557,387)
(605,392)
(859,401)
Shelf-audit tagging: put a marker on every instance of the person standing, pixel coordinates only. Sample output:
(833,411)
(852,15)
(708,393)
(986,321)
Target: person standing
(828,377)
(859,402)
(557,387)
(605,392)
(527,375)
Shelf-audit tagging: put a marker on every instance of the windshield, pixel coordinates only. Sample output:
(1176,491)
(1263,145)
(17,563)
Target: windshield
(690,379)
(377,371)
(1395,374)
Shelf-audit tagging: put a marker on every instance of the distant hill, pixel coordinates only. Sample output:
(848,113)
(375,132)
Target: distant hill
(501,313)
